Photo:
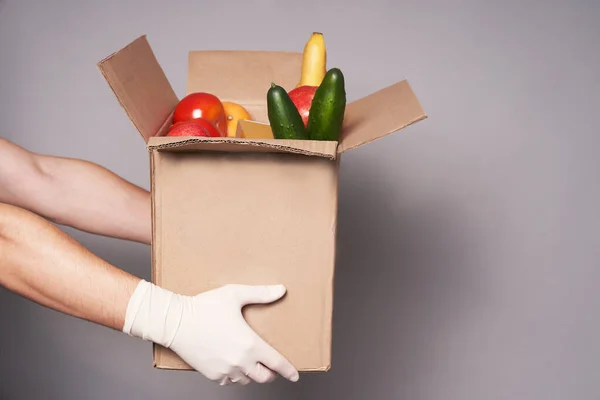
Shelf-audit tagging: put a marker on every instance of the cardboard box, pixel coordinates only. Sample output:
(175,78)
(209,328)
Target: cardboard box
(251,211)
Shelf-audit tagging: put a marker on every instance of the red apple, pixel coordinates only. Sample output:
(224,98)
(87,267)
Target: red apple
(188,129)
(302,97)
(184,128)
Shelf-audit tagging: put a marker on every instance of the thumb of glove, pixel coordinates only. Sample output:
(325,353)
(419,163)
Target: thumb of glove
(259,294)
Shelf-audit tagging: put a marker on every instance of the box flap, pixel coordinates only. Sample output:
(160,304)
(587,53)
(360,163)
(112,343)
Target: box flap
(140,85)
(242,76)
(306,147)
(380,114)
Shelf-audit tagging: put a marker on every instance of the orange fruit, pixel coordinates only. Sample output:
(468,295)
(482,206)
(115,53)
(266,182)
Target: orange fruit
(233,113)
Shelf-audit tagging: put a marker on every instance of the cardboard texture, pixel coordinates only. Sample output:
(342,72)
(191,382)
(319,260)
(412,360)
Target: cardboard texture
(249,209)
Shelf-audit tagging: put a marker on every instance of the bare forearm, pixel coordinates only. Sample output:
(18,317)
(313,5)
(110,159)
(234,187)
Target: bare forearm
(94,199)
(42,263)
(74,192)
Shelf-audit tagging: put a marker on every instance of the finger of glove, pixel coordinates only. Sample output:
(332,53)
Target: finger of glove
(225,381)
(240,379)
(260,374)
(274,361)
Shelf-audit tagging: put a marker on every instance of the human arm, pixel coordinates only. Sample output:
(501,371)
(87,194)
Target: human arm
(42,263)
(74,193)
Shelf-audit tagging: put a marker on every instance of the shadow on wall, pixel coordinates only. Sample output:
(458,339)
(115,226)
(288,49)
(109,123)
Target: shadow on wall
(401,276)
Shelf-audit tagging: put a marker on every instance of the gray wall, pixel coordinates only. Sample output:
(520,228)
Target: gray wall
(480,278)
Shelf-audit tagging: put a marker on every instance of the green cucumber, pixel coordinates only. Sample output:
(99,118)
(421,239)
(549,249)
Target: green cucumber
(285,120)
(326,113)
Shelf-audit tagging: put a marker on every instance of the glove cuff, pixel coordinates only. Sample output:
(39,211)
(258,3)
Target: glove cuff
(153,314)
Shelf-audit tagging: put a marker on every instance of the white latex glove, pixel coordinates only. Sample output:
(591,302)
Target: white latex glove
(208,331)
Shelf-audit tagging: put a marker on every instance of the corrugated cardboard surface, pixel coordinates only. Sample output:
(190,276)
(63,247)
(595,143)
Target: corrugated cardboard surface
(307,147)
(140,85)
(380,114)
(252,218)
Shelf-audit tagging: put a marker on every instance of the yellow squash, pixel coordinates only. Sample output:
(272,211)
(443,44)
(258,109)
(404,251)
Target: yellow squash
(314,61)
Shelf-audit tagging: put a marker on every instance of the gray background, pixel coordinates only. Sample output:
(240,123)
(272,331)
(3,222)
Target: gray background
(479,279)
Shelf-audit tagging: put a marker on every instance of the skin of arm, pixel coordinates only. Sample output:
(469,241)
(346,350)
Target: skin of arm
(74,193)
(42,263)
(45,265)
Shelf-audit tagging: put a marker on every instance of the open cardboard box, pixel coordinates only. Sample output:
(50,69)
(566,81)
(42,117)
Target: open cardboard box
(247,210)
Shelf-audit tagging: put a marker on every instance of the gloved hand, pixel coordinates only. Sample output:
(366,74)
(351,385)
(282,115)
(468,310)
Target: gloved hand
(208,331)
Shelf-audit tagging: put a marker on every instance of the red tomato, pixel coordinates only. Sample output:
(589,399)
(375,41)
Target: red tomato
(201,105)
